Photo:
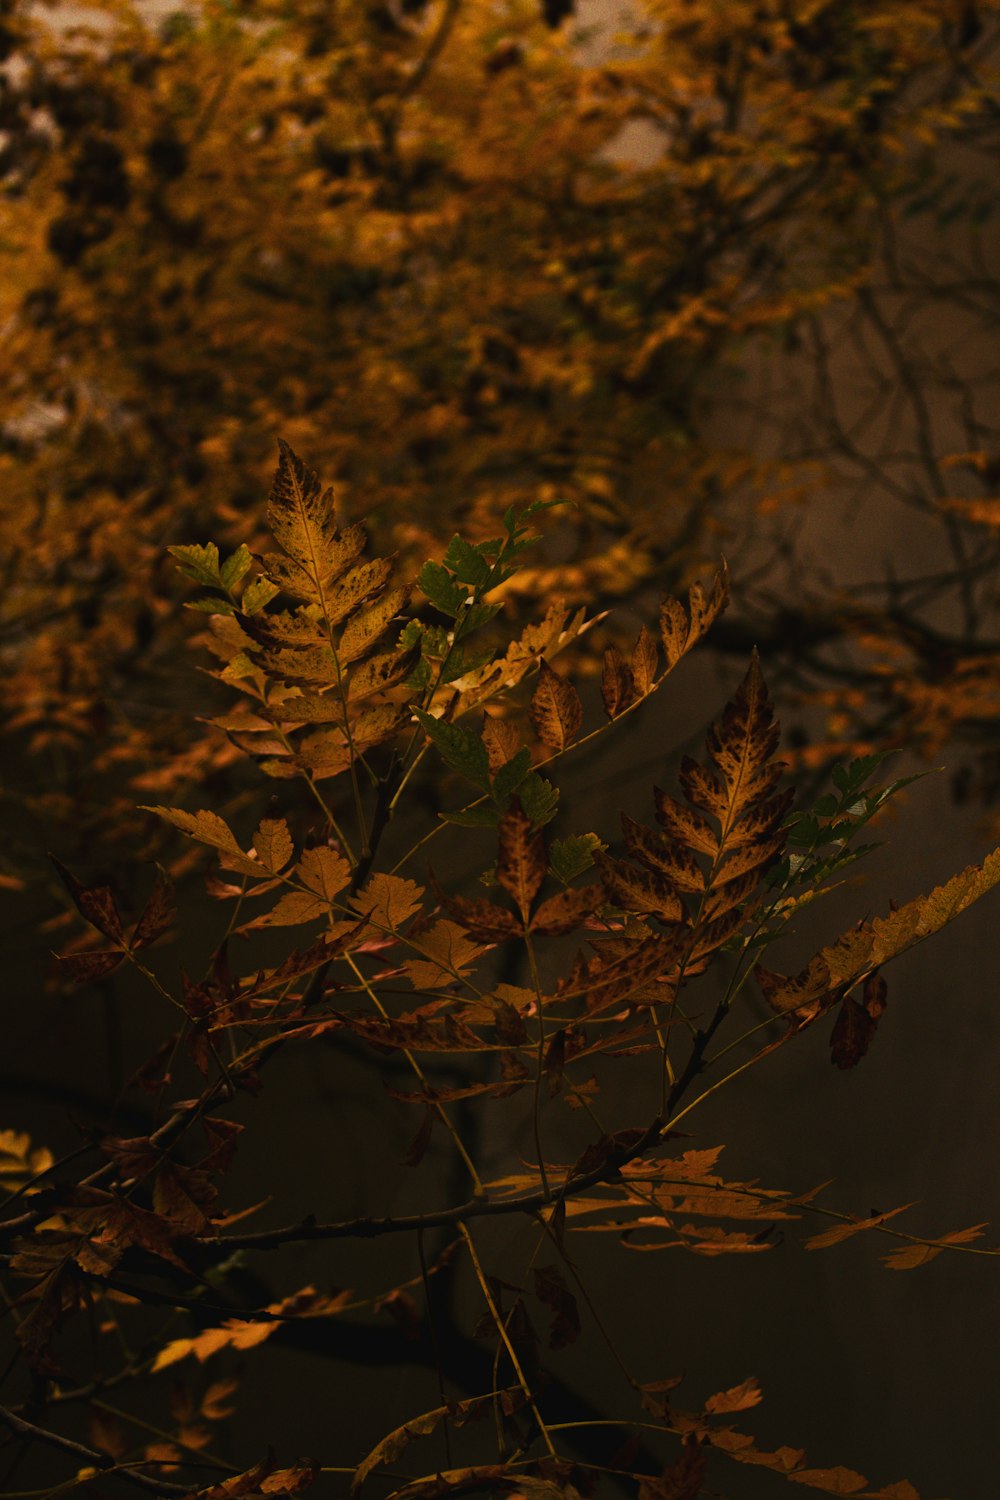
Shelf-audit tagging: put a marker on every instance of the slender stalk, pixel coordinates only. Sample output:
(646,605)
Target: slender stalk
(501,1328)
(539,1067)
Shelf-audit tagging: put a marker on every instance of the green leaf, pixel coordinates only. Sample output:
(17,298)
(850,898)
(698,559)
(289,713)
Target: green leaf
(441,589)
(410,634)
(539,798)
(478,615)
(466,562)
(569,857)
(420,677)
(804,830)
(201,564)
(510,776)
(460,748)
(854,775)
(256,594)
(515,527)
(236,567)
(211,604)
(487,816)
(462,661)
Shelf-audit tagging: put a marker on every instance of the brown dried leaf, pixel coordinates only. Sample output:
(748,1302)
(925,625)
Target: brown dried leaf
(396,1442)
(448,953)
(551,1288)
(556,710)
(564,912)
(294,908)
(666,854)
(858,953)
(638,890)
(685,825)
(324,871)
(379,673)
(501,739)
(521,858)
(87,968)
(362,630)
(389,900)
(301,518)
(481,919)
(737,1398)
(95,904)
(293,1480)
(240,1333)
(837,1481)
(911,1256)
(682,627)
(643,662)
(682,1480)
(357,586)
(157,914)
(852,1033)
(272,844)
(857,1226)
(209,828)
(618,688)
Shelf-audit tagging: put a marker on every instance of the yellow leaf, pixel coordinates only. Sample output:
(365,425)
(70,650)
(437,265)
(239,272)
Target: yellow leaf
(301,519)
(683,627)
(857,953)
(389,900)
(209,828)
(272,844)
(556,710)
(447,950)
(324,871)
(365,628)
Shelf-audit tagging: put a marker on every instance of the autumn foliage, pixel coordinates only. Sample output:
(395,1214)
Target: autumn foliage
(576,965)
(697,289)
(469,255)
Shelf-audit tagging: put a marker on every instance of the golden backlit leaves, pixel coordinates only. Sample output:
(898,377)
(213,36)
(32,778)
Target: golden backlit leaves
(681,627)
(304,672)
(521,861)
(858,953)
(207,827)
(556,710)
(437,323)
(703,905)
(396,1442)
(97,905)
(389,900)
(301,519)
(273,845)
(447,954)
(21,1163)
(242,1333)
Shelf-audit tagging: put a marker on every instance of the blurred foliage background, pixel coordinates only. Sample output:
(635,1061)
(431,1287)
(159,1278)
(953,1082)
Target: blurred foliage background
(721,275)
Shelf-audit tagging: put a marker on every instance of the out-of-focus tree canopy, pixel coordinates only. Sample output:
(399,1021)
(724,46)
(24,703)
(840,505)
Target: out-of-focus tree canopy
(469,254)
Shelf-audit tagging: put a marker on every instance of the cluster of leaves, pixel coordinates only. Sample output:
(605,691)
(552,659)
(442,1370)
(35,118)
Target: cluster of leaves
(441,266)
(675,927)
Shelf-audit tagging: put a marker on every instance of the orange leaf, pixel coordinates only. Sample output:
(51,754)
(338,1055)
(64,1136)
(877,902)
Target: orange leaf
(737,1398)
(556,710)
(617,683)
(845,1231)
(521,860)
